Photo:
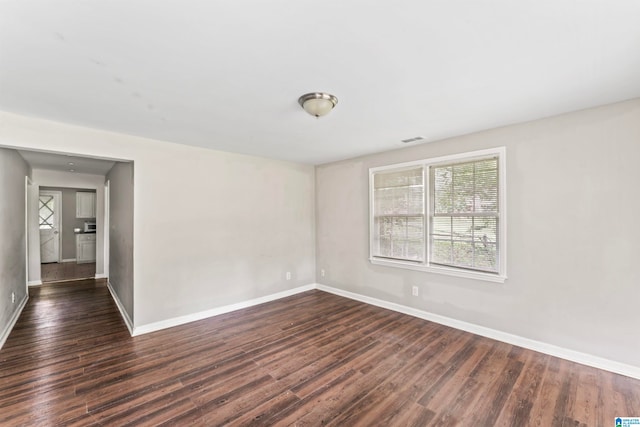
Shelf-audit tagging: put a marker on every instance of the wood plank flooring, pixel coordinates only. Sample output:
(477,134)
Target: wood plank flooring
(307,360)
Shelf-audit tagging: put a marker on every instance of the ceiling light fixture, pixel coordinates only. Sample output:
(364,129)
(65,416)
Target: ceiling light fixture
(317,103)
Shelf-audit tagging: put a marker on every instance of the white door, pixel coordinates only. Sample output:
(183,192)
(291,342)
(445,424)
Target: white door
(49,211)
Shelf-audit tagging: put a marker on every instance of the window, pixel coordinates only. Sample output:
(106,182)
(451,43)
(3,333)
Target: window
(45,211)
(399,214)
(442,215)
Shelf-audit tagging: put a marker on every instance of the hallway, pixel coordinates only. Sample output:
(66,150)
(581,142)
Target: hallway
(41,361)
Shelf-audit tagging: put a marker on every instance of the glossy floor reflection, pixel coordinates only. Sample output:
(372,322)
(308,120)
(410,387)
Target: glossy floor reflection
(55,272)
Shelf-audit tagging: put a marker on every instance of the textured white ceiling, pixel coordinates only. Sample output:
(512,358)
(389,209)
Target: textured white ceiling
(227,74)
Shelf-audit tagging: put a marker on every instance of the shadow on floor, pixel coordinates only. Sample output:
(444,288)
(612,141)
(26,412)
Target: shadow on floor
(56,272)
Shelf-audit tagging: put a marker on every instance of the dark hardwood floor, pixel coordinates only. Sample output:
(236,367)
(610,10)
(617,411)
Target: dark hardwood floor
(310,359)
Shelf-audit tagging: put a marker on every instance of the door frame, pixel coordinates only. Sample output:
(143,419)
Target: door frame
(27,209)
(107,202)
(57,195)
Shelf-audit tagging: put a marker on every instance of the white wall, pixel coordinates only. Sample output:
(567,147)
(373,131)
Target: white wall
(121,184)
(210,228)
(33,235)
(214,228)
(573,234)
(13,171)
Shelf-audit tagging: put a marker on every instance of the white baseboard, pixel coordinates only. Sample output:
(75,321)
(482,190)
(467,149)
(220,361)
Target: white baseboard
(34,283)
(123,312)
(12,322)
(69,260)
(100,276)
(181,320)
(550,349)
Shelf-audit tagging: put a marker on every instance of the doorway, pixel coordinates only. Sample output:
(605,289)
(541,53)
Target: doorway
(66,222)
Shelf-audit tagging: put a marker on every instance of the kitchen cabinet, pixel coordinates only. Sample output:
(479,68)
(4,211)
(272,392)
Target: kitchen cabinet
(85,204)
(85,248)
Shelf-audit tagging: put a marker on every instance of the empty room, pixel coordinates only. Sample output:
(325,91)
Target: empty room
(319,213)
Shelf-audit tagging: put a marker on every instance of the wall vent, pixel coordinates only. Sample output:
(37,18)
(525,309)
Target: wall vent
(414,139)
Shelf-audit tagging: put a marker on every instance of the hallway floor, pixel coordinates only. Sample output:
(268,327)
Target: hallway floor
(56,272)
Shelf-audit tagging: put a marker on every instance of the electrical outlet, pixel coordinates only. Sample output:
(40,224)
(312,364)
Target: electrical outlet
(288,275)
(13,297)
(414,291)
(322,272)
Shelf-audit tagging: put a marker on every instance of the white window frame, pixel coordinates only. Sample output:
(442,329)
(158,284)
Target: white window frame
(501,276)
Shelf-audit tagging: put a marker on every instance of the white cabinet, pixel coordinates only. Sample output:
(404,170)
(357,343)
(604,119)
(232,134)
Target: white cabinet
(85,248)
(85,204)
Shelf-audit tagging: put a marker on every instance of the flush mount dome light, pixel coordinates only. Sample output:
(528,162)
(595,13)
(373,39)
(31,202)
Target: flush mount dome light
(317,103)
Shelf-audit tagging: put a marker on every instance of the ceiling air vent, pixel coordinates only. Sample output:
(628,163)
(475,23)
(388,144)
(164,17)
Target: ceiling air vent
(414,139)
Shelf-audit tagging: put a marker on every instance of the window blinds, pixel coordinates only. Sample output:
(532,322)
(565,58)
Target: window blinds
(464,215)
(398,215)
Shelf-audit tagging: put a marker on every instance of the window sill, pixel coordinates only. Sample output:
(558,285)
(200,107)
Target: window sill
(487,277)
